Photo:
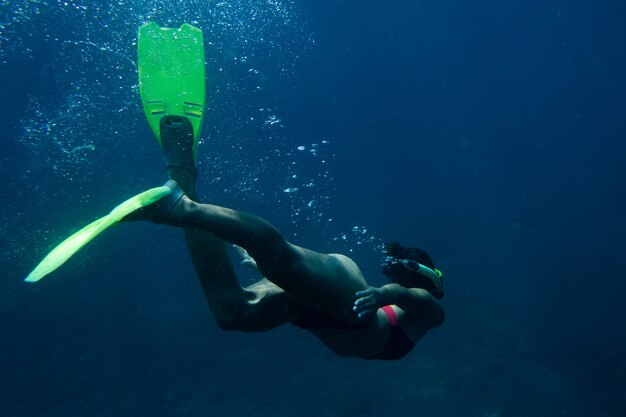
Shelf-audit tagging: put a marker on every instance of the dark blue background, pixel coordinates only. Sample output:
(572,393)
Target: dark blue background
(489,133)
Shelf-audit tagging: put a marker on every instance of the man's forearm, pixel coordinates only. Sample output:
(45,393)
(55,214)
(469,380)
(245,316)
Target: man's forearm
(416,302)
(395,294)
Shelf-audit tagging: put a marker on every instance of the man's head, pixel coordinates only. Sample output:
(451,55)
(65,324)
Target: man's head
(412,268)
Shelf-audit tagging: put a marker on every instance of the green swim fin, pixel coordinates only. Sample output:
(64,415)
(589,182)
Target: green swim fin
(172,75)
(72,244)
(171,83)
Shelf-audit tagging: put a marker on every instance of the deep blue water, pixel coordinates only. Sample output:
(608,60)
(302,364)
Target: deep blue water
(489,133)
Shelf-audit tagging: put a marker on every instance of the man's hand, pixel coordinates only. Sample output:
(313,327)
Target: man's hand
(368,302)
(246,259)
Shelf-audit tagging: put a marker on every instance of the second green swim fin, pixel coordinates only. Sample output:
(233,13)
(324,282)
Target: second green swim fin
(172,75)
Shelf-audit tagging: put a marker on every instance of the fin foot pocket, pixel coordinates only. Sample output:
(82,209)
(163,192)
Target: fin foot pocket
(159,211)
(177,142)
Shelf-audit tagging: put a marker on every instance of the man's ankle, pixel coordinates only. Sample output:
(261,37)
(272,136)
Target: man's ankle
(184,179)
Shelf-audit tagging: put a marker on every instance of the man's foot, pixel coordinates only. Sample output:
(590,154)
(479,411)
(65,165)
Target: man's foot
(246,259)
(161,211)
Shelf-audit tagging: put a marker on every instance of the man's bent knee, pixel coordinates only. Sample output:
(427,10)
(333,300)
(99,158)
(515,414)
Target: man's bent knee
(252,317)
(230,316)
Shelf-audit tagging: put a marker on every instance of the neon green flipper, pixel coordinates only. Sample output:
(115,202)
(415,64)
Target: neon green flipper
(171,83)
(172,75)
(72,244)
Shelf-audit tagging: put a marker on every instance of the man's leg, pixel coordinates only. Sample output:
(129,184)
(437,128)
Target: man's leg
(225,296)
(257,308)
(323,282)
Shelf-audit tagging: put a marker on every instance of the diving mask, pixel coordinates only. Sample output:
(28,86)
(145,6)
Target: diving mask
(434,275)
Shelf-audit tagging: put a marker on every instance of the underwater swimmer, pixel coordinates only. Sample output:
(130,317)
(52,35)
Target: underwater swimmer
(325,294)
